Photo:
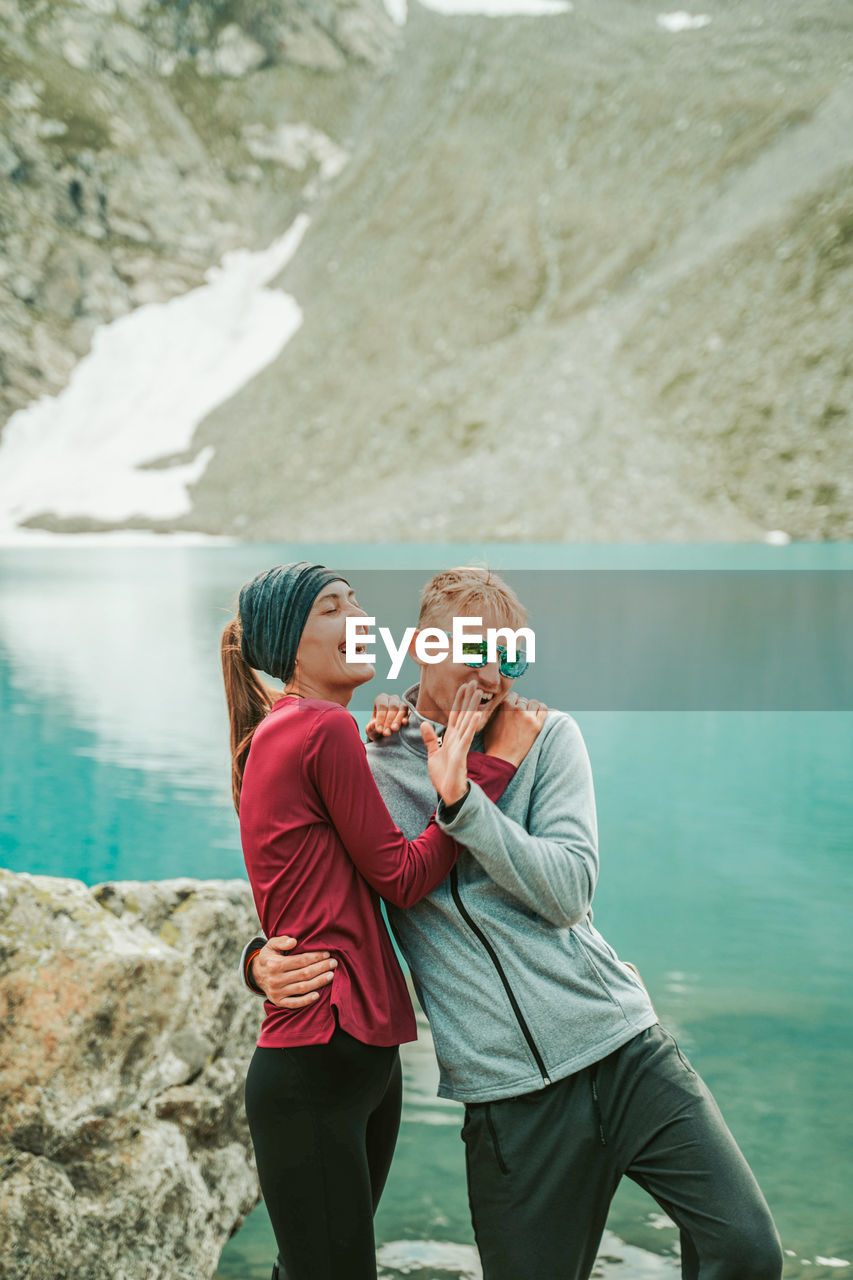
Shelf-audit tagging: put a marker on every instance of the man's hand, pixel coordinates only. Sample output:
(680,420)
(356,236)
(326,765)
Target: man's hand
(389,713)
(514,727)
(291,981)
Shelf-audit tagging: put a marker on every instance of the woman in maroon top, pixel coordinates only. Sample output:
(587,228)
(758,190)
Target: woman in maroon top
(323,1091)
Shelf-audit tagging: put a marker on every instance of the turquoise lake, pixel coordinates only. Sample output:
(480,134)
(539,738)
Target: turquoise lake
(726,839)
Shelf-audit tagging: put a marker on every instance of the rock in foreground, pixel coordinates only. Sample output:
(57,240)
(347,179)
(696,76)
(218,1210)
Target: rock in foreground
(125,1040)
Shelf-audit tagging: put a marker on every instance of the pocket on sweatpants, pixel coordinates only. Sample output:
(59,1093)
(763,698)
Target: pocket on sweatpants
(480,1135)
(493,1134)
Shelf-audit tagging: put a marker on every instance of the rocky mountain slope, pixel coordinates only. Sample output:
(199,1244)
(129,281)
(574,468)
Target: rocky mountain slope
(141,139)
(583,277)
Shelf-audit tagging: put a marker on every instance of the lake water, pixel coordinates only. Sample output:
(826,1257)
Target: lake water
(726,841)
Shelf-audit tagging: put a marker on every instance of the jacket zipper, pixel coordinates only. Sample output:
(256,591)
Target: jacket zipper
(475,928)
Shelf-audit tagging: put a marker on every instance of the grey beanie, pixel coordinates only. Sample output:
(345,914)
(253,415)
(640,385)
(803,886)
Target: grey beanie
(274,608)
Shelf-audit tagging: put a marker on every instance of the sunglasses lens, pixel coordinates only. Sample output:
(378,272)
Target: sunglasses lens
(475,653)
(513,669)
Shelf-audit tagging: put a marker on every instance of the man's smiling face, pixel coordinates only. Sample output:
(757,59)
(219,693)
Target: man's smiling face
(440,681)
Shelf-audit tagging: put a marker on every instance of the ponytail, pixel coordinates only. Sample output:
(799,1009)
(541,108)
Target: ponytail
(249,700)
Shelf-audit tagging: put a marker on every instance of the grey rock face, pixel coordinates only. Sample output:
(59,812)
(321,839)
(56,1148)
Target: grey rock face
(582,278)
(125,1042)
(125,173)
(601,300)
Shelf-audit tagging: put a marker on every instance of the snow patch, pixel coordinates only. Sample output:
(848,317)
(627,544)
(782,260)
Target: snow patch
(398,9)
(111,537)
(294,145)
(499,8)
(679,20)
(137,398)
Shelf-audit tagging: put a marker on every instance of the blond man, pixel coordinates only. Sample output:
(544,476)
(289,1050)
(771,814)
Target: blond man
(549,1040)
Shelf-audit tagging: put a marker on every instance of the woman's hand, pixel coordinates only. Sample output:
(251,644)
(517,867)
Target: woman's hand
(448,760)
(389,713)
(514,727)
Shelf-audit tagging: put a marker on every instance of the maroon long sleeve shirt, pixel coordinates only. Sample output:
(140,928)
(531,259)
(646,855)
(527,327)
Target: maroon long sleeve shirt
(321,850)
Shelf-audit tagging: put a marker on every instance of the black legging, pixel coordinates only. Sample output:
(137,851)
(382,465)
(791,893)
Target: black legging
(324,1121)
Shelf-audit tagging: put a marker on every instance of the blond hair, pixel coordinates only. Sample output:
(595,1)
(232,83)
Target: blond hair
(470,590)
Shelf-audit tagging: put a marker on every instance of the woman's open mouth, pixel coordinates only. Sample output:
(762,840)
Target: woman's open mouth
(358,649)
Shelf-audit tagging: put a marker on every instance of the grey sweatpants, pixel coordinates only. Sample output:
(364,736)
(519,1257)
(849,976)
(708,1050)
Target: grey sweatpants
(543,1168)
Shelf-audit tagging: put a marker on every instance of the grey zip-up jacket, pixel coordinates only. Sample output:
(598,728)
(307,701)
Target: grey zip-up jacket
(519,988)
